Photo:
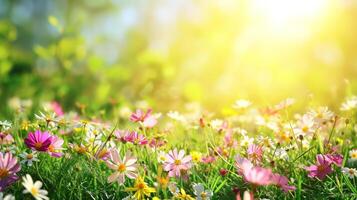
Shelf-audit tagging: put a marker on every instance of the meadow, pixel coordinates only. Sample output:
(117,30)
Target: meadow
(180,99)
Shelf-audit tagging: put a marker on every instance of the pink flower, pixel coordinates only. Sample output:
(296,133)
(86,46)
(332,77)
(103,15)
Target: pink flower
(335,158)
(56,107)
(6,138)
(208,159)
(177,162)
(55,146)
(251,174)
(242,164)
(146,119)
(8,169)
(137,138)
(321,169)
(282,182)
(122,135)
(125,167)
(255,153)
(157,142)
(39,141)
(257,175)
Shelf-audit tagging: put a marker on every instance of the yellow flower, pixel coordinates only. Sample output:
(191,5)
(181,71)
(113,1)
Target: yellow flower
(183,196)
(196,156)
(140,188)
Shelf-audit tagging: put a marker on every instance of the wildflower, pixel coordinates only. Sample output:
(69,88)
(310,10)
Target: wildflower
(8,169)
(7,197)
(34,188)
(208,159)
(305,126)
(336,159)
(80,149)
(157,142)
(146,119)
(349,104)
(140,188)
(246,141)
(136,138)
(228,140)
(196,156)
(56,107)
(183,196)
(201,193)
(48,118)
(242,103)
(161,157)
(251,174)
(176,162)
(353,154)
(176,116)
(29,158)
(223,172)
(282,182)
(321,169)
(55,146)
(6,138)
(321,115)
(125,167)
(39,141)
(5,125)
(255,153)
(257,175)
(122,136)
(350,172)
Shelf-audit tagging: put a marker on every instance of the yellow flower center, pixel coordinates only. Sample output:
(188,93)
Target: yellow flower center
(141,186)
(305,129)
(29,156)
(177,162)
(34,191)
(3,173)
(51,148)
(354,155)
(38,145)
(351,171)
(121,168)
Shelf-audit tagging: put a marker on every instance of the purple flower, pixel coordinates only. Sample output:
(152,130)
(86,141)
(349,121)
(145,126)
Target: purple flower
(321,169)
(39,141)
(177,162)
(8,169)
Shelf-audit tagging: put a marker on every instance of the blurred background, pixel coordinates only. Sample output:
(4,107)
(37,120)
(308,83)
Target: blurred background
(117,52)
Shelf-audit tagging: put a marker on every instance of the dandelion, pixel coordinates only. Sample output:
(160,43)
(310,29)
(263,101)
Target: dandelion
(29,158)
(321,169)
(34,188)
(353,154)
(141,189)
(39,141)
(350,172)
(201,193)
(125,167)
(177,162)
(8,169)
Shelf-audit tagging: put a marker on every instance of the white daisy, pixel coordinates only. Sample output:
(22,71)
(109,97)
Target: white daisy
(350,172)
(201,193)
(242,103)
(34,188)
(6,197)
(349,104)
(353,154)
(29,158)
